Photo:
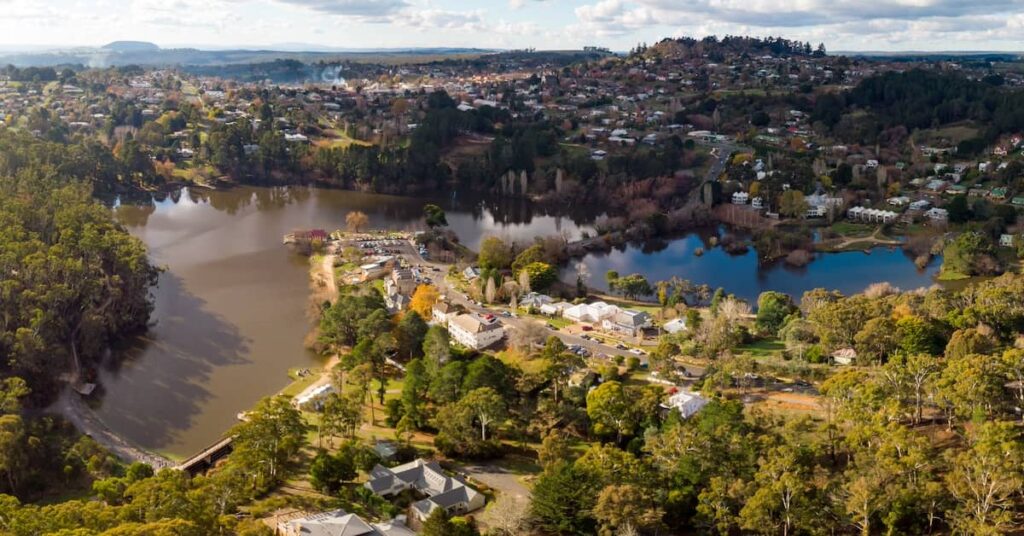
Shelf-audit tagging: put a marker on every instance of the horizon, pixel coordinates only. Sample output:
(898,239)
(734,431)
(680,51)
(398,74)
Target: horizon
(886,26)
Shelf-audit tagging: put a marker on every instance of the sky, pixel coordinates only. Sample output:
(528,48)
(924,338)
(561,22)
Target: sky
(847,25)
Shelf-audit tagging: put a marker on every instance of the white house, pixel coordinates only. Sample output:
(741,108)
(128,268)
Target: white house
(899,201)
(1006,240)
(475,331)
(686,403)
(590,312)
(443,491)
(339,523)
(740,198)
(675,325)
(937,214)
(313,399)
(554,309)
(845,356)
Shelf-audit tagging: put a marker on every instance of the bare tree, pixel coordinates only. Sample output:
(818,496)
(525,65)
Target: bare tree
(510,515)
(528,334)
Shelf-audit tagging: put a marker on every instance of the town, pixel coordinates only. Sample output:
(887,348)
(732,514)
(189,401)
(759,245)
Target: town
(429,222)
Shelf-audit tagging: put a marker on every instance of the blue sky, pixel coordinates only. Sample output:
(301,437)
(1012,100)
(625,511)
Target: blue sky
(542,24)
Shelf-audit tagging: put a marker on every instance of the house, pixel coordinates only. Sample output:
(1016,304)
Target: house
(845,356)
(757,203)
(675,325)
(535,300)
(471,273)
(686,403)
(1006,240)
(898,201)
(475,331)
(313,399)
(373,270)
(871,215)
(590,312)
(339,523)
(921,204)
(937,214)
(555,309)
(740,198)
(626,322)
(443,311)
(403,281)
(1017,202)
(442,491)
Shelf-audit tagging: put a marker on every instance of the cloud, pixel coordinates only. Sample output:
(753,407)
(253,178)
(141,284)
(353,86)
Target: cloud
(367,10)
(853,21)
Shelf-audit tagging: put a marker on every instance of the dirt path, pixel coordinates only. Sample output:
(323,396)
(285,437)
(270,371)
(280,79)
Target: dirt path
(869,242)
(327,273)
(72,408)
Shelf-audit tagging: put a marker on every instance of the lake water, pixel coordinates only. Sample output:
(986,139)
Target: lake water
(233,308)
(742,275)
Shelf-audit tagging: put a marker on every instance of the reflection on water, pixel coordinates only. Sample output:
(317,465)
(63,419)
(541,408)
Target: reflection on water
(232,309)
(742,275)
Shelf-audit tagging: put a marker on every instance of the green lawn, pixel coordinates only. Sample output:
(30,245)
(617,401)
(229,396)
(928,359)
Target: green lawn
(853,230)
(763,348)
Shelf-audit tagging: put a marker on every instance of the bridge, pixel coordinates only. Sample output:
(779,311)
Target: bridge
(201,462)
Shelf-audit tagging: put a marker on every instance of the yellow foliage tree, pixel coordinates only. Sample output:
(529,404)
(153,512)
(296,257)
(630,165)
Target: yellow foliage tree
(423,300)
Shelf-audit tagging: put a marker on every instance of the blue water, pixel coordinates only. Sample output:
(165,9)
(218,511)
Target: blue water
(848,272)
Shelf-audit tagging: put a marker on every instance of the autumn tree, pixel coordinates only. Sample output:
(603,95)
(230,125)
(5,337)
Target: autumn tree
(355,221)
(423,300)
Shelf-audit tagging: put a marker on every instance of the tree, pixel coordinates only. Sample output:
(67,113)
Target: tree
(495,254)
(423,300)
(627,505)
(632,286)
(439,523)
(772,310)
(410,334)
(554,448)
(436,349)
(530,255)
(541,275)
(876,340)
(328,472)
(415,391)
(970,386)
(273,433)
(356,221)
(782,498)
(792,204)
(985,480)
(486,406)
(434,216)
(612,410)
(510,515)
(562,500)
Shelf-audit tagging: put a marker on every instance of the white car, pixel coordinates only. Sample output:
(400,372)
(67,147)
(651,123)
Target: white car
(637,351)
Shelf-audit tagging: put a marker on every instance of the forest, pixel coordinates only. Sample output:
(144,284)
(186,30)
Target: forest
(922,99)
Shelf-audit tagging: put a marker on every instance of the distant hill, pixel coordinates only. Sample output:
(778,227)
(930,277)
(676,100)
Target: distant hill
(147,54)
(131,46)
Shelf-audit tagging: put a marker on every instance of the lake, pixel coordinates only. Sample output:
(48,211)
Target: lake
(742,275)
(233,308)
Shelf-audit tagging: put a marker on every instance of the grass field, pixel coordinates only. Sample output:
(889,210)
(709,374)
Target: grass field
(763,348)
